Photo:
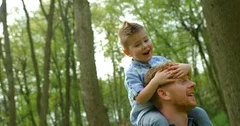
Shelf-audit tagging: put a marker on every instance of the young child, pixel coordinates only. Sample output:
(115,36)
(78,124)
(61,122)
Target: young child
(137,44)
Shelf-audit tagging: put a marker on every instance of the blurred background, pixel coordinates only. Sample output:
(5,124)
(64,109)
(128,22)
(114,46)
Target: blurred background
(43,58)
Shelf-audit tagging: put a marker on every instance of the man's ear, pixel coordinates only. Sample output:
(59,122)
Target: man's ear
(126,52)
(163,94)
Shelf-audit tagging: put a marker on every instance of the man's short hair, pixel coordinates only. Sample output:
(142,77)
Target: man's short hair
(150,74)
(126,30)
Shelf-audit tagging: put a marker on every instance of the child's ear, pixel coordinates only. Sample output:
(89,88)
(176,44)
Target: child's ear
(126,52)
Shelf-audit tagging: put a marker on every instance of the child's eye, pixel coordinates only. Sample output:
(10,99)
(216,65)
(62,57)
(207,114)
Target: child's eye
(136,45)
(146,40)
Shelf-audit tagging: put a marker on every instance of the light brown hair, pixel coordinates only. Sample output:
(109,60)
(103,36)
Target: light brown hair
(127,30)
(148,77)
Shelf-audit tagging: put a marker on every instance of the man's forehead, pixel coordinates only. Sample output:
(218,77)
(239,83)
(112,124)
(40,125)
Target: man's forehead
(177,80)
(184,77)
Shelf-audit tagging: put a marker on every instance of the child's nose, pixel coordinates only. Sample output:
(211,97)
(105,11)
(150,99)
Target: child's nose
(145,45)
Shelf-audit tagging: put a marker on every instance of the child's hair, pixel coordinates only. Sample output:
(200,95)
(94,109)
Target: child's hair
(127,30)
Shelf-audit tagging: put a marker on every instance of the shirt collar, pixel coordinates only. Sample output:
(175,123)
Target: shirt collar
(191,122)
(135,62)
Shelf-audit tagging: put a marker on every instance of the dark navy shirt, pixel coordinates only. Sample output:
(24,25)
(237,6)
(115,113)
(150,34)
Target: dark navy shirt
(190,122)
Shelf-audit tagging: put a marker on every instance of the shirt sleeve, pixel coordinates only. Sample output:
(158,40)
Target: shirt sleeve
(133,84)
(163,59)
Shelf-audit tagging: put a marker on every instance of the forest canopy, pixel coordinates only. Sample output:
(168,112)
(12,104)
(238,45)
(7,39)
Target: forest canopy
(52,53)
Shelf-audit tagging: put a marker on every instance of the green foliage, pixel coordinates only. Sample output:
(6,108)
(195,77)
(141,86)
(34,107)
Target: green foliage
(175,27)
(220,119)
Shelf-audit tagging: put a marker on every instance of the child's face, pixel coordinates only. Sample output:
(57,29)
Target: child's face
(139,47)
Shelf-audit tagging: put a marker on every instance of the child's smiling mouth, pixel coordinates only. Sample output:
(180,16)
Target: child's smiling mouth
(146,53)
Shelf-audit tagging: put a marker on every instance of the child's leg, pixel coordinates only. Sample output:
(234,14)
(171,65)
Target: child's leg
(200,116)
(153,118)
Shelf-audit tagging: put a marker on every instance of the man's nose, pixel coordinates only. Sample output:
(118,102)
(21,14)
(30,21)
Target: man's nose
(192,84)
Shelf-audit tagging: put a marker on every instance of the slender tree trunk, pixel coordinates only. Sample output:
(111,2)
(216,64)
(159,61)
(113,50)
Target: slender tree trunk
(114,88)
(93,102)
(223,19)
(8,67)
(120,96)
(24,90)
(34,59)
(3,86)
(76,104)
(47,54)
(64,15)
(58,74)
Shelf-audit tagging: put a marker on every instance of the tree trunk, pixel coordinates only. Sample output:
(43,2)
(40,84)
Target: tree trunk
(8,66)
(57,71)
(24,89)
(64,17)
(34,59)
(223,23)
(3,86)
(76,104)
(47,55)
(93,102)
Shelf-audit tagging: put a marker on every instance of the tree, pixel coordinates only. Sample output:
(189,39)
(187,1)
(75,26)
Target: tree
(223,19)
(33,56)
(47,54)
(64,16)
(8,66)
(93,102)
(114,87)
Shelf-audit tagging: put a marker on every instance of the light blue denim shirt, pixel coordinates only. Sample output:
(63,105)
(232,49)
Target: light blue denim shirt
(134,79)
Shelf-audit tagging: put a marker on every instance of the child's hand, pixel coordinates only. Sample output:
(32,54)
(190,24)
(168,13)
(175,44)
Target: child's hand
(180,70)
(163,77)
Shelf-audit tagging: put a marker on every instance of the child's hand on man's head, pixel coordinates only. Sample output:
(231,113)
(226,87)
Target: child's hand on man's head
(163,77)
(180,70)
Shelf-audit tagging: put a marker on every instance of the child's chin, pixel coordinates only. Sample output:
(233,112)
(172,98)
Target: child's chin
(149,57)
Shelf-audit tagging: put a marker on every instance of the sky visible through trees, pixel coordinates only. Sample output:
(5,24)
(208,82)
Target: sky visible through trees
(104,66)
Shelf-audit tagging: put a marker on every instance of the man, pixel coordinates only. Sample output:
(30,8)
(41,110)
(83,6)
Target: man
(175,99)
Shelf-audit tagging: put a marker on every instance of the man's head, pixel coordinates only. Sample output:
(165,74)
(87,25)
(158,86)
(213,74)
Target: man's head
(135,42)
(179,94)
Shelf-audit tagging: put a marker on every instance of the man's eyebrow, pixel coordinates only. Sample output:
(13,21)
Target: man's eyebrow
(185,77)
(182,79)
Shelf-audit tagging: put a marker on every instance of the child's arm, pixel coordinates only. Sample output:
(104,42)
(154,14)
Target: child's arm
(160,78)
(180,69)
